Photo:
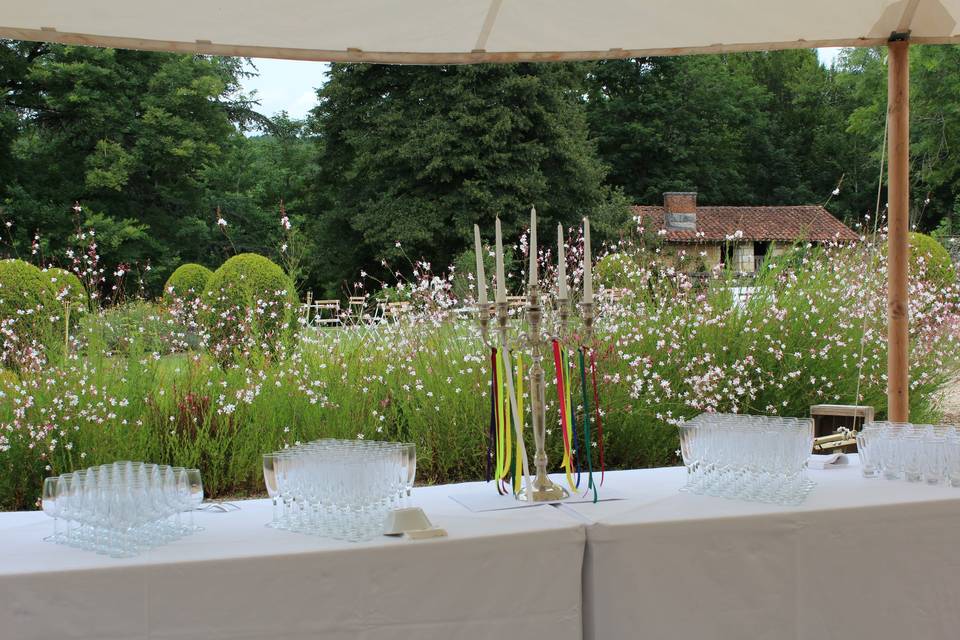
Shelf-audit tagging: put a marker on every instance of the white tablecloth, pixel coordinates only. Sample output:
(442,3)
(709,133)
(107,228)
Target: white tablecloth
(860,559)
(502,574)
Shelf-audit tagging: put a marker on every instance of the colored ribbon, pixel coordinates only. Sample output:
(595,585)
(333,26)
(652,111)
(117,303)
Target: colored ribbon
(573,423)
(518,462)
(586,426)
(562,393)
(596,409)
(498,414)
(518,426)
(492,432)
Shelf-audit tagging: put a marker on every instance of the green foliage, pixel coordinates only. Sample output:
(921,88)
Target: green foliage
(617,271)
(673,351)
(131,327)
(411,157)
(758,128)
(929,257)
(465,271)
(252,295)
(28,303)
(70,291)
(187,281)
(153,144)
(129,134)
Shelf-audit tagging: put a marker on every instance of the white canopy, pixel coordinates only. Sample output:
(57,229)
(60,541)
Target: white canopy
(461,31)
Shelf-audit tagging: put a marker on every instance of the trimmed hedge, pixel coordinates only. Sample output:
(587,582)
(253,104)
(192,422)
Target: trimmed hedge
(28,302)
(249,286)
(187,281)
(936,263)
(69,289)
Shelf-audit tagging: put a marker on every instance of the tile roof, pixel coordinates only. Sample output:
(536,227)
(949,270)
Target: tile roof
(784,223)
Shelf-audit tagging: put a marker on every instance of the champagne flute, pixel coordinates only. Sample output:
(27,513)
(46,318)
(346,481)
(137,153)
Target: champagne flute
(411,451)
(196,495)
(270,479)
(51,505)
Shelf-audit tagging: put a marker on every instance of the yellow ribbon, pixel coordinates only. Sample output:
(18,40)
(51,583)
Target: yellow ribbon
(500,414)
(507,428)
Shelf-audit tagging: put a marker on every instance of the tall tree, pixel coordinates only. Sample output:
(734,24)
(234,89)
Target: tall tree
(934,126)
(753,128)
(413,156)
(682,123)
(128,134)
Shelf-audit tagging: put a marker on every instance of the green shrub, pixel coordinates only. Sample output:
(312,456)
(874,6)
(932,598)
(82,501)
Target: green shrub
(465,272)
(187,281)
(70,291)
(617,271)
(248,300)
(138,325)
(28,302)
(930,258)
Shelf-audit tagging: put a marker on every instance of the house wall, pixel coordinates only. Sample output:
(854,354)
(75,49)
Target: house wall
(714,253)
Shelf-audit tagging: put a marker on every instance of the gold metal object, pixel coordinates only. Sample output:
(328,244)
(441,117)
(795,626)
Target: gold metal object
(837,440)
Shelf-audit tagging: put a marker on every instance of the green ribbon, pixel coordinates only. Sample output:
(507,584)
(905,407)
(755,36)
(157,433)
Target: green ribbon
(586,426)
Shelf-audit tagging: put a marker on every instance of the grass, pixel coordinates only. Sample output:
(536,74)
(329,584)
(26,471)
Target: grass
(140,381)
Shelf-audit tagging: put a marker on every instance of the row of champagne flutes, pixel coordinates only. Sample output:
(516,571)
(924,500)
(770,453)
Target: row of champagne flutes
(757,458)
(123,508)
(341,489)
(912,452)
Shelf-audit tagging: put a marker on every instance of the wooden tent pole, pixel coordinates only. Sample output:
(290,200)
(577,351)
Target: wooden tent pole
(898,253)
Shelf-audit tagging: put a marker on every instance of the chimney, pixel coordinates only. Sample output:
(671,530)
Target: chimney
(680,210)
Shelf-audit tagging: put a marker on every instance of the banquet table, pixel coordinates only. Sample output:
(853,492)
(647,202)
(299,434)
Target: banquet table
(498,574)
(859,559)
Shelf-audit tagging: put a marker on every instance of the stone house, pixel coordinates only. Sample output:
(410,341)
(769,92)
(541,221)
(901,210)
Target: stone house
(738,236)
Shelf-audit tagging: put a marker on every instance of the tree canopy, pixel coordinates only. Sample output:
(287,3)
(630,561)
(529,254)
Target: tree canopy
(170,162)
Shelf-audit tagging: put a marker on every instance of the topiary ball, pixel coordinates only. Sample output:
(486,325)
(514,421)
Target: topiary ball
(28,305)
(248,297)
(70,291)
(930,260)
(188,281)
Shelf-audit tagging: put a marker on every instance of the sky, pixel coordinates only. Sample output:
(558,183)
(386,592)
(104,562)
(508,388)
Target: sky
(290,85)
(286,85)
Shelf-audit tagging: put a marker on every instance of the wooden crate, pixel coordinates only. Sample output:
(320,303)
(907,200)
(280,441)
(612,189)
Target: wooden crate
(827,418)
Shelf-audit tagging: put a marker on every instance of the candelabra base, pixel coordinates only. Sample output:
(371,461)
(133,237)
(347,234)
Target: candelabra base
(548,491)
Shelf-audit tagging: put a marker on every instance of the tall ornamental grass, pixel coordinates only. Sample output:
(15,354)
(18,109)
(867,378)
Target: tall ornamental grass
(147,381)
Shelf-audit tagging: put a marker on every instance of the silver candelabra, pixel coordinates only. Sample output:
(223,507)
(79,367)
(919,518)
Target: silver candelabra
(542,488)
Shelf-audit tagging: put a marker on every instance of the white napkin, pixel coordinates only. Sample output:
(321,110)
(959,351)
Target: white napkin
(822,461)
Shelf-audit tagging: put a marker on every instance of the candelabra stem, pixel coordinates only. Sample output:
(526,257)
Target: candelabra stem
(543,488)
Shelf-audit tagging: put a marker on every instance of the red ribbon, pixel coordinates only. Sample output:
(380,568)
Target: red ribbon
(564,427)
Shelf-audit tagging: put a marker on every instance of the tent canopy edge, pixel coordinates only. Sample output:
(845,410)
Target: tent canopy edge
(452,57)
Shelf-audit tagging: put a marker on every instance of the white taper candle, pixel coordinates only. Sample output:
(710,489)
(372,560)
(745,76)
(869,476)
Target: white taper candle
(501,278)
(587,263)
(561,263)
(533,246)
(481,277)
